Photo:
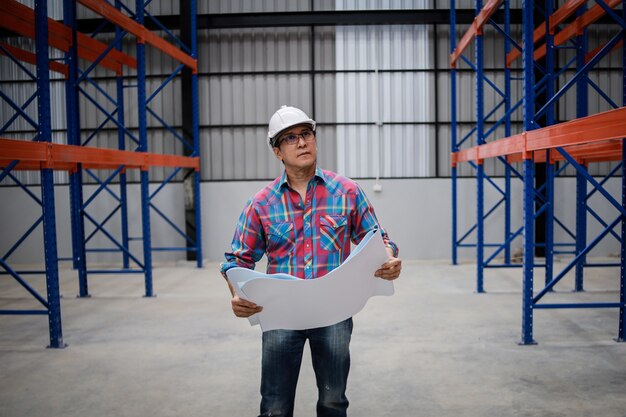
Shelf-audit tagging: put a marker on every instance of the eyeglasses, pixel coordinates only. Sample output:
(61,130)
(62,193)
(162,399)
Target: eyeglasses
(293,139)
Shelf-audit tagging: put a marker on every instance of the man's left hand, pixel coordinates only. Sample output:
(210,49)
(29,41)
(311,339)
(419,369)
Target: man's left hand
(390,270)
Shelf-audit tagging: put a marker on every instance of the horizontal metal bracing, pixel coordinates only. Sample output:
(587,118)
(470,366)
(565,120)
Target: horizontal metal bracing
(578,305)
(317,18)
(300,72)
(311,18)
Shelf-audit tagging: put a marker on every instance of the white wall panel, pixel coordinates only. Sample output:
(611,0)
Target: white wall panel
(324,49)
(326,147)
(382,4)
(253,6)
(407,151)
(243,153)
(242,50)
(238,153)
(325,102)
(407,97)
(368,100)
(246,99)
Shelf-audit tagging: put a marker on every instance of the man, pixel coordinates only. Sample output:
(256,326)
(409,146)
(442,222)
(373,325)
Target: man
(303,222)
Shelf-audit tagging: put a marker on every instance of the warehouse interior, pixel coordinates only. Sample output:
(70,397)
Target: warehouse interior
(487,134)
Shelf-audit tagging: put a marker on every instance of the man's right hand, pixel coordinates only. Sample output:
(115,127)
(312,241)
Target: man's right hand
(244,308)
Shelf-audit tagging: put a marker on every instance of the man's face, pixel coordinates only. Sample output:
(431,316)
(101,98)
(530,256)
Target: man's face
(301,153)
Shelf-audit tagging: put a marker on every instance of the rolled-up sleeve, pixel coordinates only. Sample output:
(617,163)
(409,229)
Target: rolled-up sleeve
(248,245)
(364,219)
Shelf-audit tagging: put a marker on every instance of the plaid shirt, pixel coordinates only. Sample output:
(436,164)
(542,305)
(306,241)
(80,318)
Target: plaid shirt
(306,239)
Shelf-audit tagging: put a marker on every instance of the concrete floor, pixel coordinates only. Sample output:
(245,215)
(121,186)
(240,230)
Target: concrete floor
(433,349)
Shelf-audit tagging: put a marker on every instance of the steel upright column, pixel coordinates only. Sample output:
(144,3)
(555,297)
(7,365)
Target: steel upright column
(72,111)
(47,178)
(581,182)
(143,147)
(549,165)
(621,334)
(453,140)
(196,132)
(189,82)
(480,229)
(507,133)
(71,116)
(480,171)
(529,167)
(121,143)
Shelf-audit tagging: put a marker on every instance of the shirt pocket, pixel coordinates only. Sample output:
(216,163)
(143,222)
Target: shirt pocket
(280,238)
(332,232)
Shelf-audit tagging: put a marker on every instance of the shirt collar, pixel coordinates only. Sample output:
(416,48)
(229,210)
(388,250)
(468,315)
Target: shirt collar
(319,173)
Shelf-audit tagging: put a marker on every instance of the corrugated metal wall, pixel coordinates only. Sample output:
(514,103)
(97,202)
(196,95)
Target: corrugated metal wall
(383,101)
(248,75)
(380,94)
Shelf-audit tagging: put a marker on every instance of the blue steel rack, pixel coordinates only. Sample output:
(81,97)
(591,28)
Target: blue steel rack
(544,195)
(30,159)
(148,201)
(481,135)
(575,158)
(52,305)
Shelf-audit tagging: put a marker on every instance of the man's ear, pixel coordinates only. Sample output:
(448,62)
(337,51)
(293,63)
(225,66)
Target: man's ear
(277,153)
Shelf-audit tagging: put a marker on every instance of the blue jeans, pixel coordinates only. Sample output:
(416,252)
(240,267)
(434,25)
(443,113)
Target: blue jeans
(282,356)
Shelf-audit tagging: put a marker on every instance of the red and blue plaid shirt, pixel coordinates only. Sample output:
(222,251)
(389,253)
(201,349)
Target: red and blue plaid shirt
(304,238)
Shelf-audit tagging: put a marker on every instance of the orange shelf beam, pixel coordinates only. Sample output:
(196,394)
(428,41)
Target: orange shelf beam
(577,26)
(599,127)
(475,29)
(23,150)
(20,19)
(594,152)
(37,155)
(606,151)
(31,58)
(116,17)
(584,135)
(558,17)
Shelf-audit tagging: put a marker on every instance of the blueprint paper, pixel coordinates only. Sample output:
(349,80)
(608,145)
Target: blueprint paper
(292,303)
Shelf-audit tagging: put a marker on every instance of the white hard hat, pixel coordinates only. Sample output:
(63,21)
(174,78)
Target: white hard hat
(285,118)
